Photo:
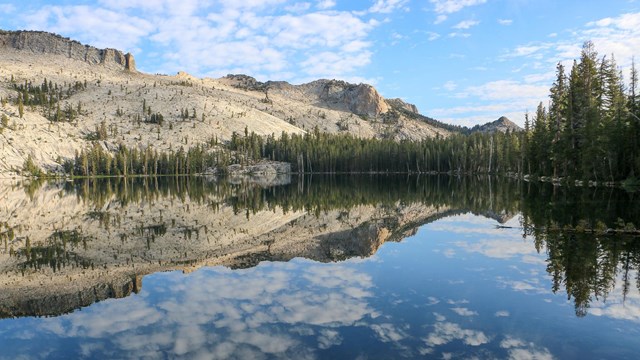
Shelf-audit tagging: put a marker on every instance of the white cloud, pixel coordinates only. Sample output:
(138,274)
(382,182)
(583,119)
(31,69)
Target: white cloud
(507,90)
(502,313)
(452,6)
(446,7)
(387,6)
(505,22)
(325,4)
(213,39)
(459,34)
(298,7)
(546,78)
(432,36)
(440,19)
(528,50)
(466,24)
(450,85)
(99,27)
(7,8)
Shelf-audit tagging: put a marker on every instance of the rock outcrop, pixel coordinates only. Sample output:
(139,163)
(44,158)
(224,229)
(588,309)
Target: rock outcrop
(40,42)
(361,99)
(402,105)
(264,174)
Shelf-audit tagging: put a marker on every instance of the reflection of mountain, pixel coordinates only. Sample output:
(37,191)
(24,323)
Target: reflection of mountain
(75,244)
(67,245)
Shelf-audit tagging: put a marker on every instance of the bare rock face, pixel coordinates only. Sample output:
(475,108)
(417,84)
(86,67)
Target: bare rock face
(48,43)
(130,62)
(361,99)
(402,105)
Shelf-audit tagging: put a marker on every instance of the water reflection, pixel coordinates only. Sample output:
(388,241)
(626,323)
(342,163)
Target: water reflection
(105,234)
(485,269)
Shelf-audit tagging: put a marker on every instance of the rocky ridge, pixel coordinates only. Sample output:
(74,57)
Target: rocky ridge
(360,99)
(113,95)
(39,42)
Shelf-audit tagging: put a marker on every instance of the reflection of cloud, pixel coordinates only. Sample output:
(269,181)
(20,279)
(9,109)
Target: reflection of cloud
(456,302)
(328,338)
(502,313)
(530,354)
(446,332)
(227,313)
(388,332)
(464,311)
(618,305)
(534,260)
(432,301)
(526,286)
(503,249)
(510,342)
(519,350)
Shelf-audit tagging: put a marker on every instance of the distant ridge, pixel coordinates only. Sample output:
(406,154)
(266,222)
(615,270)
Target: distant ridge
(503,124)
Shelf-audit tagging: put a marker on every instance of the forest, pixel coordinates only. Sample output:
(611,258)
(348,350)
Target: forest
(588,132)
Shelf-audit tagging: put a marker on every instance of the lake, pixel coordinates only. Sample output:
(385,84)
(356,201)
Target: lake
(342,267)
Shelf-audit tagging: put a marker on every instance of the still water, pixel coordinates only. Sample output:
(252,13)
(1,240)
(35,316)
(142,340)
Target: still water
(367,267)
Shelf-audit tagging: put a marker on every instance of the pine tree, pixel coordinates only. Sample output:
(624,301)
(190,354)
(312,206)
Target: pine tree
(20,105)
(558,119)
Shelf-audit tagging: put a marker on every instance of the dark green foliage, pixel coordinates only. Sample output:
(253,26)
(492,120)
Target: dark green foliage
(29,167)
(344,153)
(133,161)
(100,133)
(156,118)
(591,129)
(48,96)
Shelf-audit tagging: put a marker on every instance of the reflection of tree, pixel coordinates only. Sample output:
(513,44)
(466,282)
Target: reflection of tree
(57,253)
(316,194)
(583,256)
(570,223)
(588,265)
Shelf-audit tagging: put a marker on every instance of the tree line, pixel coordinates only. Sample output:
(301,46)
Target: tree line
(96,161)
(591,128)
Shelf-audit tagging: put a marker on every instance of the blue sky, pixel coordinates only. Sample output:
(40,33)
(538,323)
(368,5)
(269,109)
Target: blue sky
(460,61)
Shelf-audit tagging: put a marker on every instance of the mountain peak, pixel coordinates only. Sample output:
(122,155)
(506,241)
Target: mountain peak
(503,124)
